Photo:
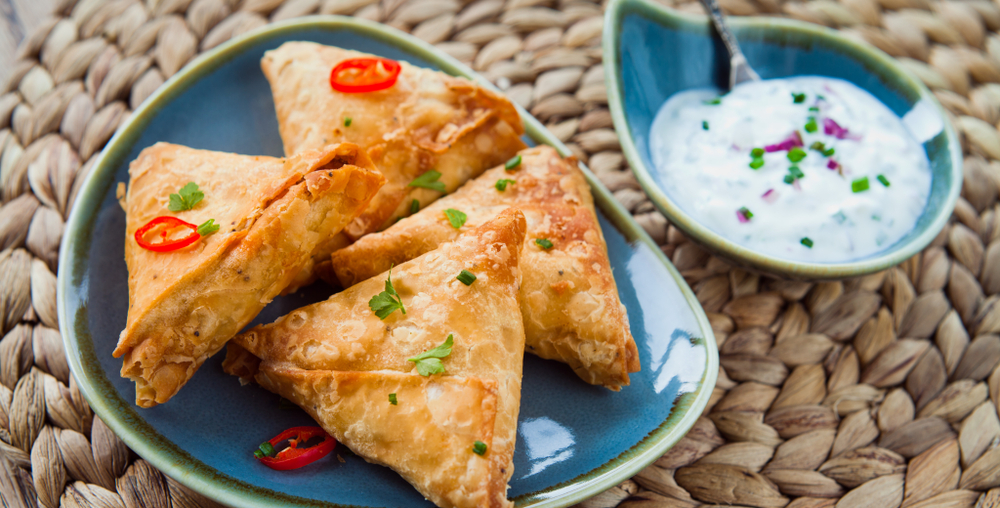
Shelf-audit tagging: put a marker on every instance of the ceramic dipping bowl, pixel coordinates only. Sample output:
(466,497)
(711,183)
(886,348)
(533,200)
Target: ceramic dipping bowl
(651,53)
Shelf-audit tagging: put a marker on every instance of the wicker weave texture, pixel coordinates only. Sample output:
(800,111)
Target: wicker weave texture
(873,392)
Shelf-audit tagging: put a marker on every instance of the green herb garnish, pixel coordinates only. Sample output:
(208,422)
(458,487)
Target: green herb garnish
(543,243)
(502,184)
(757,152)
(208,227)
(796,154)
(811,125)
(794,173)
(756,158)
(264,450)
(883,180)
(414,206)
(186,198)
(798,98)
(820,147)
(479,448)
(387,301)
(860,185)
(713,102)
(814,109)
(429,361)
(466,277)
(807,242)
(455,217)
(428,180)
(746,213)
(513,163)
(756,163)
(392,399)
(347,122)
(704,125)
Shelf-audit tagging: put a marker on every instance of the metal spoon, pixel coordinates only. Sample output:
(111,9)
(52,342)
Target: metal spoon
(739,69)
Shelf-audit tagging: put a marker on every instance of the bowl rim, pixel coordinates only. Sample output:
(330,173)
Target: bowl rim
(613,18)
(688,407)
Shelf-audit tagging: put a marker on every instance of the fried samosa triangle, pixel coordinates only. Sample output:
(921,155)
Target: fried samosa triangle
(426,123)
(572,312)
(451,432)
(271,213)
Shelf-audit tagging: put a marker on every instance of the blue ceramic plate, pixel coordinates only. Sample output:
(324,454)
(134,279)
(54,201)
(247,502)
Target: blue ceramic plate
(574,440)
(666,52)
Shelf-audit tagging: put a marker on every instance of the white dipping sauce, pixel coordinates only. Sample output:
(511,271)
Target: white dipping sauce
(702,152)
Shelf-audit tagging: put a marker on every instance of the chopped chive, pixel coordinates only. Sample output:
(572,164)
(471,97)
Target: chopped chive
(428,180)
(811,125)
(513,163)
(456,217)
(264,450)
(208,227)
(713,102)
(746,212)
(347,122)
(502,184)
(757,163)
(807,242)
(479,448)
(466,277)
(821,148)
(860,185)
(798,98)
(704,125)
(414,206)
(883,180)
(757,152)
(814,109)
(392,399)
(796,154)
(789,179)
(543,243)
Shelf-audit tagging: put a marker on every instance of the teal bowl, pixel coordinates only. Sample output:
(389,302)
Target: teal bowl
(666,52)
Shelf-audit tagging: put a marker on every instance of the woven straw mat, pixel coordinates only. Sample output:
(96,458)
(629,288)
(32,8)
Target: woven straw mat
(873,392)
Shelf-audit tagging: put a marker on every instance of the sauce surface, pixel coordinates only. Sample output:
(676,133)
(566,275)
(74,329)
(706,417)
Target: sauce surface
(806,168)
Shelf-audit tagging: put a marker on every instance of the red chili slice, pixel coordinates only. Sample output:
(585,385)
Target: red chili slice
(294,457)
(169,225)
(359,75)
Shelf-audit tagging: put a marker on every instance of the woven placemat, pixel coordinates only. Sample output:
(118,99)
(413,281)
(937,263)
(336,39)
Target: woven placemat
(880,391)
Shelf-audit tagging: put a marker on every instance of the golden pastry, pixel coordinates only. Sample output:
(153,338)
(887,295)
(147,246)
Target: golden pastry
(569,299)
(426,121)
(270,213)
(450,434)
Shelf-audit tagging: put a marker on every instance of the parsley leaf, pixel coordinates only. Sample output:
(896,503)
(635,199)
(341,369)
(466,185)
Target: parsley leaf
(456,217)
(429,361)
(543,243)
(208,227)
(428,180)
(479,448)
(186,198)
(414,206)
(502,184)
(392,399)
(347,122)
(387,301)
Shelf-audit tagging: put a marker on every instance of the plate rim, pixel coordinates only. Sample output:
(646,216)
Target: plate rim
(87,202)
(614,16)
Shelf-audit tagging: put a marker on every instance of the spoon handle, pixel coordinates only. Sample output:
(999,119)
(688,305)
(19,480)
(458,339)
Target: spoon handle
(739,69)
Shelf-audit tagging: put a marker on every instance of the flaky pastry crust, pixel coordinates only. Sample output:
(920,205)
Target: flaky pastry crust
(427,120)
(338,361)
(572,312)
(185,304)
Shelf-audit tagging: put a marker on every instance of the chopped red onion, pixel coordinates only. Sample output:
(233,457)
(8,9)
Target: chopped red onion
(793,140)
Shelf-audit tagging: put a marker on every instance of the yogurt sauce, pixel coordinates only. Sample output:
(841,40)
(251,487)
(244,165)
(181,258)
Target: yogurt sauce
(838,177)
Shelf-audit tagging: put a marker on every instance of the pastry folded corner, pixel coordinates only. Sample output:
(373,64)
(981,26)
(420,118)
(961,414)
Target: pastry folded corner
(185,304)
(426,121)
(340,362)
(569,299)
